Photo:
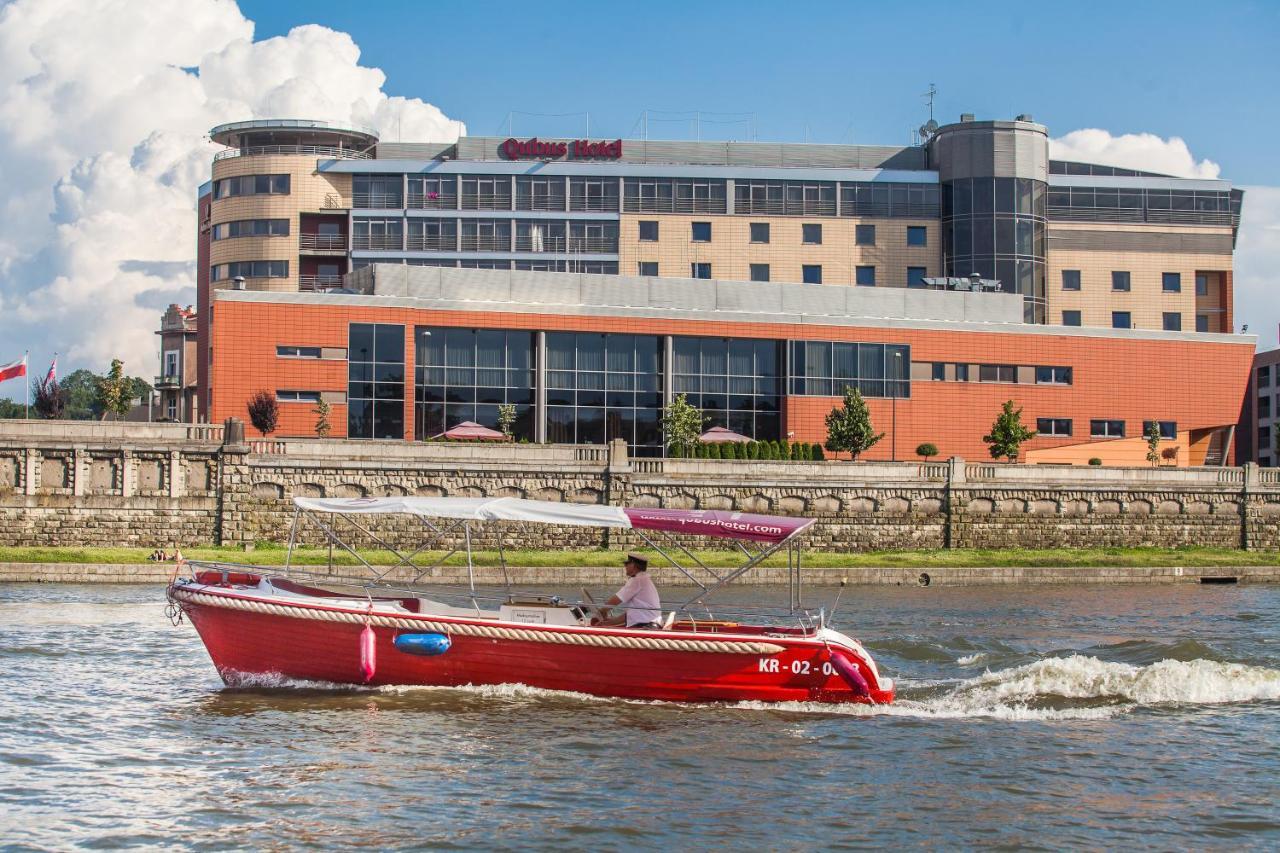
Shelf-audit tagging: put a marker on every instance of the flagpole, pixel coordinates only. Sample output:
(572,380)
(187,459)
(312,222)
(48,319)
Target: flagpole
(26,374)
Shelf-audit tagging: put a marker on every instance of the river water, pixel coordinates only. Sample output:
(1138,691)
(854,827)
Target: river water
(1044,717)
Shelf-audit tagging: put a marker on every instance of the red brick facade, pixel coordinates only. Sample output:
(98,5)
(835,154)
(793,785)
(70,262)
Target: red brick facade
(1196,383)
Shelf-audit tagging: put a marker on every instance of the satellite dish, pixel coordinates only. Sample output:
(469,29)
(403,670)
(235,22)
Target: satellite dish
(929,128)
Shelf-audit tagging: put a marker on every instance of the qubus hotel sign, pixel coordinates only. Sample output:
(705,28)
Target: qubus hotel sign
(578,149)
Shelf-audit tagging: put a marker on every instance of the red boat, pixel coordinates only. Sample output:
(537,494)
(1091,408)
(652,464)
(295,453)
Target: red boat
(258,624)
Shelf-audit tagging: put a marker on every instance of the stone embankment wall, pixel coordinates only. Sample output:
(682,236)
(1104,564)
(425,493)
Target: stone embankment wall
(129,484)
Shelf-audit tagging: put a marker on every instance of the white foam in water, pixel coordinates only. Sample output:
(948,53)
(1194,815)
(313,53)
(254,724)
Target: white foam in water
(966,660)
(1018,693)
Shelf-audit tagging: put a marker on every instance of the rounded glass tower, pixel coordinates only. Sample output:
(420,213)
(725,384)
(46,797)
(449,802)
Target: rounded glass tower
(994,176)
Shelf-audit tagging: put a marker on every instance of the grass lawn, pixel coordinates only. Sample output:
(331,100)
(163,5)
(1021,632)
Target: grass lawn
(273,555)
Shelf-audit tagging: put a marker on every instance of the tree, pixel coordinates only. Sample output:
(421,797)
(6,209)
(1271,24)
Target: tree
(81,388)
(12,409)
(1153,442)
(114,391)
(49,400)
(926,450)
(321,411)
(264,412)
(506,418)
(682,423)
(1007,433)
(849,427)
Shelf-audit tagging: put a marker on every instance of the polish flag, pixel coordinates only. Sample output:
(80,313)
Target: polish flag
(52,376)
(13,369)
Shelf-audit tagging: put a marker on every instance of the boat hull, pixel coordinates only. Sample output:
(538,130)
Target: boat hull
(312,643)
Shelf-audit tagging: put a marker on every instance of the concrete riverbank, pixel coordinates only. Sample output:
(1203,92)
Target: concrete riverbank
(610,575)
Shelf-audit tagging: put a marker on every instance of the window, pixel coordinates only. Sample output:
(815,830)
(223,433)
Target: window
(465,374)
(1202,322)
(962,373)
(736,383)
(1071,279)
(939,371)
(811,234)
(593,194)
(486,192)
(648,231)
(1071,318)
(1168,429)
(648,268)
(759,232)
(1053,426)
(1053,375)
(379,191)
(377,234)
(1172,321)
(1202,284)
(1264,376)
(917,235)
(251,228)
(1119,281)
(866,276)
(864,235)
(251,185)
(811,274)
(997,373)
(250,269)
(493,235)
(298,396)
(701,232)
(1171,282)
(700,270)
(375,381)
(759,272)
(1264,405)
(1106,429)
(915,276)
(1264,437)
(823,369)
(297,352)
(1121,320)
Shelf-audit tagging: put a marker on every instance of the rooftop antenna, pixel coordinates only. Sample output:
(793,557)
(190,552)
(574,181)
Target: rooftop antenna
(930,127)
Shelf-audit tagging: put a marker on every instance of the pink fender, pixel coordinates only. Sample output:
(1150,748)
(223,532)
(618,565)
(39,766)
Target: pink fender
(851,674)
(368,654)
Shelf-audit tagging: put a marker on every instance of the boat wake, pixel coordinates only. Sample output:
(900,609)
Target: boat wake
(1076,687)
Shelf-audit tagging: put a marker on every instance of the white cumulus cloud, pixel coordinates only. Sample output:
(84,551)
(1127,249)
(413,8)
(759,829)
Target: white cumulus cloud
(104,107)
(1143,151)
(1257,259)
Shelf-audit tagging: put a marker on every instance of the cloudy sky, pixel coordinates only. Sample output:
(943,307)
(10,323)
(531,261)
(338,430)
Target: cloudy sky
(104,107)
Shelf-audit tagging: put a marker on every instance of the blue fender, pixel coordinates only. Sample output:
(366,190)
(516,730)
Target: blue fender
(426,645)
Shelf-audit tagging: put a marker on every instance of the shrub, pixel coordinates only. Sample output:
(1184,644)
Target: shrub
(926,450)
(1095,461)
(264,412)
(729,451)
(713,451)
(815,452)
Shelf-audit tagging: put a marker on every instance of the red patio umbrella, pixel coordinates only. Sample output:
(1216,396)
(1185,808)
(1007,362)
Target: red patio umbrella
(471,431)
(721,435)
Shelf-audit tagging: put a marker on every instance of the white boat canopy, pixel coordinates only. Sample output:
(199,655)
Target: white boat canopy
(474,509)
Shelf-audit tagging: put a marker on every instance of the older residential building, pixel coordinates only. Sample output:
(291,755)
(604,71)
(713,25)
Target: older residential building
(176,381)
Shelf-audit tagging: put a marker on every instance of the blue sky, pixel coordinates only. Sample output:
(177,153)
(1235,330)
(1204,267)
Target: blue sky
(848,72)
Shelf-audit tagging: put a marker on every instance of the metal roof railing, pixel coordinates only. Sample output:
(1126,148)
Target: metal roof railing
(325,151)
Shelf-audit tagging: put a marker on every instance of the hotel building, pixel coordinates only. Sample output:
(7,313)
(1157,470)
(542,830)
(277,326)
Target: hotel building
(941,279)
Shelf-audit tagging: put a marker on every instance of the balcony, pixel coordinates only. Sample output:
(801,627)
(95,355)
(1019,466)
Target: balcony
(539,202)
(602,204)
(432,201)
(486,243)
(658,204)
(383,242)
(168,381)
(323,243)
(318,283)
(784,207)
(378,201)
(567,245)
(432,243)
(482,201)
(327,152)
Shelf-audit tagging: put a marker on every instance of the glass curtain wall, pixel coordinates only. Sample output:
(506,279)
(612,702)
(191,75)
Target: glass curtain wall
(736,383)
(465,374)
(605,386)
(375,381)
(996,228)
(825,369)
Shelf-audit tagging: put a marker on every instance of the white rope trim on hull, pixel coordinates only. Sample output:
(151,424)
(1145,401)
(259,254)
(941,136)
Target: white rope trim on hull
(566,638)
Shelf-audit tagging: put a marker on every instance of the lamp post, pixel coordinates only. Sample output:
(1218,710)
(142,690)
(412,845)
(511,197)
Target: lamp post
(897,371)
